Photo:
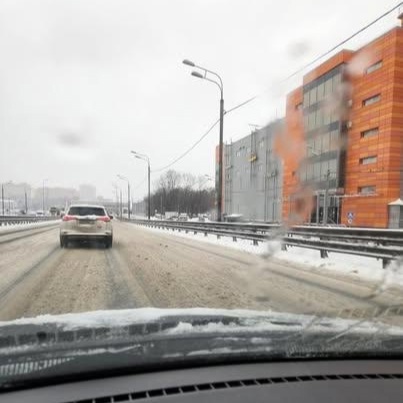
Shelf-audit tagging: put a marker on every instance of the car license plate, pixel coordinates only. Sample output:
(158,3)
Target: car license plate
(86,222)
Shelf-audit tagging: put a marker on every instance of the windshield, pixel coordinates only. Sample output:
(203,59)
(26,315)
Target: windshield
(224,176)
(86,211)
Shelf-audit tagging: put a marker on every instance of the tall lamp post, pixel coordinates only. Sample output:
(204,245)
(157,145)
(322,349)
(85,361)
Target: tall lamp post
(220,85)
(123,178)
(117,208)
(43,195)
(147,159)
(2,199)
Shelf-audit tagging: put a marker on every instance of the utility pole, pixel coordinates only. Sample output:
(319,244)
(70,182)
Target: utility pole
(149,191)
(220,159)
(2,198)
(121,207)
(26,201)
(128,200)
(147,159)
(43,197)
(220,85)
(161,206)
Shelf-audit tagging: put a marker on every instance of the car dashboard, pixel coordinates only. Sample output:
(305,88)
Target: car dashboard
(298,381)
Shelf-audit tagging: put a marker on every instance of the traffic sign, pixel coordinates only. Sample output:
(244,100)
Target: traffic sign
(350,215)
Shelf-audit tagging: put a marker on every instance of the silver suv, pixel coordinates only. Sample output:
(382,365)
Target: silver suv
(84,222)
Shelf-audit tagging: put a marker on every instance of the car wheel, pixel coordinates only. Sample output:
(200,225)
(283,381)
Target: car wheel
(63,242)
(108,242)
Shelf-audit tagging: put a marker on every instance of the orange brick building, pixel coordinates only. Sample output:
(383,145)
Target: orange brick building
(344,126)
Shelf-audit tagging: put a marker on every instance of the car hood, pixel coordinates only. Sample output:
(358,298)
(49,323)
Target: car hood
(140,339)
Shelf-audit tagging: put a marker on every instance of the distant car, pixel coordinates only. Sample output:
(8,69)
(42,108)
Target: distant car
(39,213)
(183,217)
(84,222)
(234,218)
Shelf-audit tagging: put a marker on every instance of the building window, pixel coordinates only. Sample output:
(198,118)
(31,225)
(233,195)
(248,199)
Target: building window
(261,143)
(298,106)
(374,67)
(306,99)
(371,100)
(321,91)
(368,160)
(328,86)
(336,81)
(367,190)
(238,153)
(260,168)
(313,96)
(370,132)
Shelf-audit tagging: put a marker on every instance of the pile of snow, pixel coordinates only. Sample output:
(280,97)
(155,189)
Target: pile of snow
(32,225)
(362,267)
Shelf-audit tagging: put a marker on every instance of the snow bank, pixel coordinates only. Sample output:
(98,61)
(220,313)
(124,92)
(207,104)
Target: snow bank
(361,267)
(16,227)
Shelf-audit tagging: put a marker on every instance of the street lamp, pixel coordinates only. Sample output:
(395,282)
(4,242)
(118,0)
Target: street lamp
(147,159)
(115,187)
(43,195)
(123,178)
(2,198)
(220,85)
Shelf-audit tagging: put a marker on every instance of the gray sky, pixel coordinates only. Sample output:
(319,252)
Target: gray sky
(84,82)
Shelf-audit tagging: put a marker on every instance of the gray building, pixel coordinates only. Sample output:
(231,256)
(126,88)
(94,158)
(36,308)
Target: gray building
(253,176)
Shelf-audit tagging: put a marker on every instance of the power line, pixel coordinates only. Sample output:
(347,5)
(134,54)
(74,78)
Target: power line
(300,70)
(189,149)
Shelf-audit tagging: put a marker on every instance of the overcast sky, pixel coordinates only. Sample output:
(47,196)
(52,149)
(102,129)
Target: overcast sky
(84,82)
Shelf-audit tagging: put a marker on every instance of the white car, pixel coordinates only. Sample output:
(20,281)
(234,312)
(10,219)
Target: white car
(84,222)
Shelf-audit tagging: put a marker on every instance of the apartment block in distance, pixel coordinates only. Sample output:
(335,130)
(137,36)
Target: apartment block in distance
(252,185)
(347,118)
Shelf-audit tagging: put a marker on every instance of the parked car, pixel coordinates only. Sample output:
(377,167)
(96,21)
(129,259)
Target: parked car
(183,217)
(86,223)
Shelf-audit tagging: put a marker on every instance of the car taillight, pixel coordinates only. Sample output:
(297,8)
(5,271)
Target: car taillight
(104,218)
(69,218)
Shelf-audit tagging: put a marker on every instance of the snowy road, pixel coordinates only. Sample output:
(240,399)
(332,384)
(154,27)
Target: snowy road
(146,268)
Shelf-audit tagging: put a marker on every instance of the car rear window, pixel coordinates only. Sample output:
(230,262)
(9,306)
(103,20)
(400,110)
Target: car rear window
(99,211)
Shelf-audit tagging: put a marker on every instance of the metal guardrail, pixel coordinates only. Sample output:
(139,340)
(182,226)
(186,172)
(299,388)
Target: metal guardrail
(13,220)
(384,244)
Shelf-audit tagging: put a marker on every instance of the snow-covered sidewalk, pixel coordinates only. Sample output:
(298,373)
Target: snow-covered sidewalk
(366,268)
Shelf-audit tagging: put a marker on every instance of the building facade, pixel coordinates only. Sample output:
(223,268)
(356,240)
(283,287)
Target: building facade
(347,119)
(252,183)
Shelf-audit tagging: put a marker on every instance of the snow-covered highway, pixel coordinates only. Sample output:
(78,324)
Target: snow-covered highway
(147,268)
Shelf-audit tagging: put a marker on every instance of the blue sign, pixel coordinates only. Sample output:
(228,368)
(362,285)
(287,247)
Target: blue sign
(350,215)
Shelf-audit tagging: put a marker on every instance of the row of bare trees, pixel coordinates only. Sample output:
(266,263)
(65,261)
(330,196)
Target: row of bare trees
(182,192)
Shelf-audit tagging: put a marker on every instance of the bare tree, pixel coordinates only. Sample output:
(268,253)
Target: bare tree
(173,179)
(182,193)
